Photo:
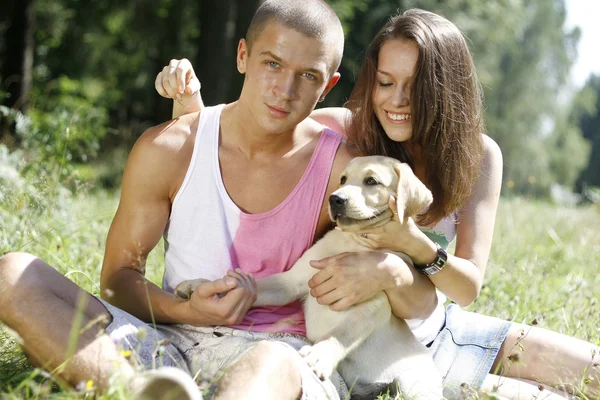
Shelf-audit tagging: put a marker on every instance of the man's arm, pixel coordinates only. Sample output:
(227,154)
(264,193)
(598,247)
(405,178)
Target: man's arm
(136,229)
(152,175)
(178,81)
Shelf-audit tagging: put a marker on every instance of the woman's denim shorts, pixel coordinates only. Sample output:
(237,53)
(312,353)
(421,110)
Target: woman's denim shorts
(466,348)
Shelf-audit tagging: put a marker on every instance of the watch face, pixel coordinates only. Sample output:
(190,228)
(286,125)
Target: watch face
(437,264)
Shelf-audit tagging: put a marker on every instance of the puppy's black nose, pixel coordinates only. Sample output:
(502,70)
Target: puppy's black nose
(337,202)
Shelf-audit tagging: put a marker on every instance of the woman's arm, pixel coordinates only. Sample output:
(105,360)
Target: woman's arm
(351,278)
(337,118)
(178,81)
(462,277)
(410,293)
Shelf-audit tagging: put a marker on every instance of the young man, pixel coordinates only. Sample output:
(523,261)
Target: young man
(238,191)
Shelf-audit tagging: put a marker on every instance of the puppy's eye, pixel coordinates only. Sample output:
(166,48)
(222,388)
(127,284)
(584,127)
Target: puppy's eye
(370,181)
(343,180)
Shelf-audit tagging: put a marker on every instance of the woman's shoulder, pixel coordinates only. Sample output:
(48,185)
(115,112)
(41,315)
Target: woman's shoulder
(336,118)
(490,177)
(488,185)
(491,151)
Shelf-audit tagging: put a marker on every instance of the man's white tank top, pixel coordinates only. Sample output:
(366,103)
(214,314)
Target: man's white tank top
(208,234)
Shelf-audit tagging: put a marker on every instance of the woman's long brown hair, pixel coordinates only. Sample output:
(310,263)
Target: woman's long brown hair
(446,109)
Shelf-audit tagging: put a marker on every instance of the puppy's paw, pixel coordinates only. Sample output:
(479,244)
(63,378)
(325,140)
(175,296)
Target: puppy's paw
(321,362)
(185,289)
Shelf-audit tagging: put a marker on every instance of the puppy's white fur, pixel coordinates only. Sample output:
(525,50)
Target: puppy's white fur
(371,348)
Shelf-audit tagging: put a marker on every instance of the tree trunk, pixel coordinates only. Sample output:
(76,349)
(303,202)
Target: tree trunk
(169,44)
(216,51)
(18,54)
(590,176)
(245,11)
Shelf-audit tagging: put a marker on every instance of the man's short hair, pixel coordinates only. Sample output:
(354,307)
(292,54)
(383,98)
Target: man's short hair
(313,18)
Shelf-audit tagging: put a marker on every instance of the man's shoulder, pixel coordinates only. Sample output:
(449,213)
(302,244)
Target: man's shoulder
(345,151)
(170,136)
(164,151)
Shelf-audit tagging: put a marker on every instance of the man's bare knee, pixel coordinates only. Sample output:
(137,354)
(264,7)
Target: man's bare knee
(12,266)
(275,355)
(267,364)
(24,276)
(14,260)
(269,348)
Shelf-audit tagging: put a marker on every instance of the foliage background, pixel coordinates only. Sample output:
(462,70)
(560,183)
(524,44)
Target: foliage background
(91,66)
(76,90)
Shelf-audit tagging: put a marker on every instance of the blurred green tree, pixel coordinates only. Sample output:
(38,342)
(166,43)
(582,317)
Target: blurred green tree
(17,26)
(587,116)
(523,64)
(95,64)
(17,52)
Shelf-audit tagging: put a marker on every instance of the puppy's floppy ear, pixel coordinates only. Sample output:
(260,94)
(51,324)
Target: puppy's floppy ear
(413,196)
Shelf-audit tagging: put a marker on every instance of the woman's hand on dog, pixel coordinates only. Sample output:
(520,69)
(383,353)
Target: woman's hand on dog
(210,307)
(395,235)
(350,278)
(400,236)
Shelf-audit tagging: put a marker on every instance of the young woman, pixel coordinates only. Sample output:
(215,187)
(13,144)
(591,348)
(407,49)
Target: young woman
(417,98)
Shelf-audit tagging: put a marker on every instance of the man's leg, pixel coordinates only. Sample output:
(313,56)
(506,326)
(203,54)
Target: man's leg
(267,371)
(59,323)
(549,357)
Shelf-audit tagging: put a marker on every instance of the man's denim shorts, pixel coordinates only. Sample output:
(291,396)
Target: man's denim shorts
(206,352)
(463,351)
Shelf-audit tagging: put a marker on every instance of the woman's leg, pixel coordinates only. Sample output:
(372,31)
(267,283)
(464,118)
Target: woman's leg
(550,358)
(520,389)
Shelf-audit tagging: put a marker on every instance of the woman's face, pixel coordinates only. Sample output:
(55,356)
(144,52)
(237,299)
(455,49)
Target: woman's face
(391,96)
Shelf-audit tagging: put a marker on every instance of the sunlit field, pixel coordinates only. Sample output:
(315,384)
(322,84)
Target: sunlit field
(544,268)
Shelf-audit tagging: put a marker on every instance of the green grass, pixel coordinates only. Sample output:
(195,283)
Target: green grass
(544,266)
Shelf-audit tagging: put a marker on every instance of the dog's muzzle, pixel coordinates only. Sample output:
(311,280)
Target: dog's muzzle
(337,204)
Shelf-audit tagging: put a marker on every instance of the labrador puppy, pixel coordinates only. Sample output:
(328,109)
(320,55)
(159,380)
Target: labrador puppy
(372,349)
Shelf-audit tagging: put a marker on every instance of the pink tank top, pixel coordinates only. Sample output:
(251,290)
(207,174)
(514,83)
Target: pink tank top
(208,234)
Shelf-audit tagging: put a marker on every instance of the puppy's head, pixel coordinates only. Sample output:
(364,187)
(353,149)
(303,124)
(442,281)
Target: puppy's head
(362,200)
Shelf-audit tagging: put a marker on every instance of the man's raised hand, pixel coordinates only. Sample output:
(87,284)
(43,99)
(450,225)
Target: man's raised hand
(177,80)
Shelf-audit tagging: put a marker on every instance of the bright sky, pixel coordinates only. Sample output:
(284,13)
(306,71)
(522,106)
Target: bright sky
(584,14)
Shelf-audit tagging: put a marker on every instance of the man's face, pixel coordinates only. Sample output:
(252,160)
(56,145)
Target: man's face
(286,74)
